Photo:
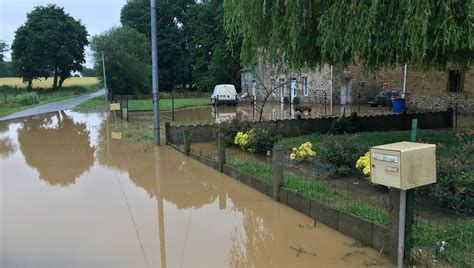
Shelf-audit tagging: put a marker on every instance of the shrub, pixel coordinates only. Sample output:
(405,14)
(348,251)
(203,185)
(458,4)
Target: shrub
(230,129)
(26,98)
(455,172)
(296,100)
(343,125)
(262,138)
(340,154)
(242,139)
(303,152)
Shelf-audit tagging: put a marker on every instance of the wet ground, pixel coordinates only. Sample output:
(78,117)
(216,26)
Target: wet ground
(74,192)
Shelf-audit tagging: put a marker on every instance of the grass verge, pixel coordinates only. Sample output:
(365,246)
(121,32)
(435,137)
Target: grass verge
(316,190)
(9,103)
(165,104)
(95,104)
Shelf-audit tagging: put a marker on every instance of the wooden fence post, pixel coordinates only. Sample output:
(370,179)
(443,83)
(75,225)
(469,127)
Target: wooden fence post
(167,132)
(187,141)
(221,151)
(277,170)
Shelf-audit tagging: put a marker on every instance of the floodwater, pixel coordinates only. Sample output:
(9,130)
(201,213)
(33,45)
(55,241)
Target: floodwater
(74,193)
(271,111)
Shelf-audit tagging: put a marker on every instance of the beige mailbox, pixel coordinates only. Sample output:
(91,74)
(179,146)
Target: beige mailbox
(403,165)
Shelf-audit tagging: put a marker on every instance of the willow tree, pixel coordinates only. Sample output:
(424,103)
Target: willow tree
(376,33)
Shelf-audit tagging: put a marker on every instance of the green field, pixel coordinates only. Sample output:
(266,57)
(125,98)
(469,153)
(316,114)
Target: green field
(165,104)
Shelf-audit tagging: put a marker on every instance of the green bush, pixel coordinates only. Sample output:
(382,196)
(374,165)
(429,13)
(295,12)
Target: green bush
(455,172)
(343,125)
(26,98)
(341,153)
(231,128)
(262,138)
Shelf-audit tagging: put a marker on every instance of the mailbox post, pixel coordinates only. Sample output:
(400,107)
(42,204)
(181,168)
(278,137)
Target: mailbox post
(403,165)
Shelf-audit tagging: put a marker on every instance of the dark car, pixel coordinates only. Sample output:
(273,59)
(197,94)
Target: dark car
(384,98)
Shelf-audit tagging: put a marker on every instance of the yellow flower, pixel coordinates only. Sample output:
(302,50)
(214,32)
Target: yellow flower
(364,163)
(301,153)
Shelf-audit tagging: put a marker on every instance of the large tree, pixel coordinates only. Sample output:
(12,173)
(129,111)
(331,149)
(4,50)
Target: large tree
(127,60)
(211,58)
(136,14)
(378,34)
(50,42)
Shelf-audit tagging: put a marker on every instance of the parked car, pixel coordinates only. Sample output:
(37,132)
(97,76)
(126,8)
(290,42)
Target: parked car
(224,94)
(384,98)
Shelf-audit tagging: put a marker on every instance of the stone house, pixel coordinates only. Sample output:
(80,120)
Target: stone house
(427,90)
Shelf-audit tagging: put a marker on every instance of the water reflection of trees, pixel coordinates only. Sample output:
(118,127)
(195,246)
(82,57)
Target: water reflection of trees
(180,186)
(57,147)
(7,147)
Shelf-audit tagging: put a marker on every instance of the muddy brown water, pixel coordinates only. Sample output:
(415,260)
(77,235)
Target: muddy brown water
(75,193)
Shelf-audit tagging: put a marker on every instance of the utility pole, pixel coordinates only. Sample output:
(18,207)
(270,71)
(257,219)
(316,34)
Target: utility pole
(154,64)
(105,78)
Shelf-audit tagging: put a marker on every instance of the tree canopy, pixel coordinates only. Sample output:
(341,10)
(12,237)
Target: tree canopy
(192,43)
(127,60)
(377,34)
(50,42)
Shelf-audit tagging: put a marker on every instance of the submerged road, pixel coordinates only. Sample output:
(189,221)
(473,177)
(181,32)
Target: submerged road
(54,106)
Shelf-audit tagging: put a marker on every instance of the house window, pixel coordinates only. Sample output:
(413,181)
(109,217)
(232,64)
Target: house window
(272,86)
(455,80)
(305,86)
(282,89)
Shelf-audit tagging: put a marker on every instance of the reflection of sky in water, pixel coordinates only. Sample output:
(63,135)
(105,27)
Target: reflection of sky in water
(92,122)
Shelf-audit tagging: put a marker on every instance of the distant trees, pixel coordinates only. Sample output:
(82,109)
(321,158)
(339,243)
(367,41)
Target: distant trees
(127,60)
(308,33)
(88,72)
(50,43)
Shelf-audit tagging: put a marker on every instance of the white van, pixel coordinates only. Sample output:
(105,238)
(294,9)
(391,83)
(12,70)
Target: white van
(224,94)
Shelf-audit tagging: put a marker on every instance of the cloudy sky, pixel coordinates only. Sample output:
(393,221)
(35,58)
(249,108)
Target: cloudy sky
(96,15)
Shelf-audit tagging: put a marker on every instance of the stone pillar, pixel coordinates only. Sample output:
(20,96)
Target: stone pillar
(277,170)
(167,133)
(221,151)
(186,141)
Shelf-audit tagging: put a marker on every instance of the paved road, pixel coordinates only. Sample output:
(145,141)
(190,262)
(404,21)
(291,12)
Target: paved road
(54,106)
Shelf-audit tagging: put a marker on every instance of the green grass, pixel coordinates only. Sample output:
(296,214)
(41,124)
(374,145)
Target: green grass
(459,237)
(316,190)
(97,103)
(44,96)
(165,104)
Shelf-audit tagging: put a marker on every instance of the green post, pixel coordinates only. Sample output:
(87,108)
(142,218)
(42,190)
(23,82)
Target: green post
(409,219)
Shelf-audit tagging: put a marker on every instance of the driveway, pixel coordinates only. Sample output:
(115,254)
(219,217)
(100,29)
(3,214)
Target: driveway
(54,106)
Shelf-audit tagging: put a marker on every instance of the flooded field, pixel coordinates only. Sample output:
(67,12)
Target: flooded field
(75,193)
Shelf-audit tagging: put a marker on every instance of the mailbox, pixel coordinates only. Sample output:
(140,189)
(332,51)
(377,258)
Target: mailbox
(403,165)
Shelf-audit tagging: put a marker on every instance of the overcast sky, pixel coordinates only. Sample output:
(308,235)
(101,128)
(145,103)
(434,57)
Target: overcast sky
(97,15)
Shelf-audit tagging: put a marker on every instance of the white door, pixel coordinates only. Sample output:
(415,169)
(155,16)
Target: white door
(346,91)
(254,88)
(282,90)
(293,89)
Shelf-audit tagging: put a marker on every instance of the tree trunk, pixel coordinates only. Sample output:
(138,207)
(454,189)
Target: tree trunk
(61,81)
(30,85)
(55,81)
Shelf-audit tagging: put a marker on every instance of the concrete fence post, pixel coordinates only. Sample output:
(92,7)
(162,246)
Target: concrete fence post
(221,151)
(394,197)
(167,132)
(277,170)
(186,141)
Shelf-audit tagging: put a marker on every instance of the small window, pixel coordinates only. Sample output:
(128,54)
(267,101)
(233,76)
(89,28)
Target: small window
(455,80)
(272,86)
(254,87)
(305,86)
